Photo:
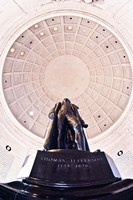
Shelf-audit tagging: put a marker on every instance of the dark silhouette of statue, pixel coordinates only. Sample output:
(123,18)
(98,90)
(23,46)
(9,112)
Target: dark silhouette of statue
(66,131)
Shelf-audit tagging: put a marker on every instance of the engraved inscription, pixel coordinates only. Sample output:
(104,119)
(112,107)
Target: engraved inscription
(71,163)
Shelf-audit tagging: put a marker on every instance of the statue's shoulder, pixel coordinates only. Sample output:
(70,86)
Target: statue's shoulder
(74,107)
(54,110)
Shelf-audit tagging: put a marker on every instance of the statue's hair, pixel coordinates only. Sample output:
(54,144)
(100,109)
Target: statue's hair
(66,100)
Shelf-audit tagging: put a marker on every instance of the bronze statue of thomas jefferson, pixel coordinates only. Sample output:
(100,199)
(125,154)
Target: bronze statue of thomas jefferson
(67,128)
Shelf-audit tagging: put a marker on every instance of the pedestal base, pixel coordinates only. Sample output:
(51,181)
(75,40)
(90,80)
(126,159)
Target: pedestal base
(71,168)
(69,175)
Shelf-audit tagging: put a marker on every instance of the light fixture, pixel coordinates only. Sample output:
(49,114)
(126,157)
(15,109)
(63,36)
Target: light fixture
(69,27)
(41,33)
(55,28)
(22,53)
(36,26)
(120,153)
(8,148)
(31,113)
(12,50)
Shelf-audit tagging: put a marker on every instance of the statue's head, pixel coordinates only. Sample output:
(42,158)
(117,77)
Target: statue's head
(66,100)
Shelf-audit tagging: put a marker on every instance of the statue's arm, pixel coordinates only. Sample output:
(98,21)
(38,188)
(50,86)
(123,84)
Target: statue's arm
(75,108)
(54,111)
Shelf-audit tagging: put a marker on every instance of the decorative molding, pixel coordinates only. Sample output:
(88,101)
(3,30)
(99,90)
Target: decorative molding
(95,3)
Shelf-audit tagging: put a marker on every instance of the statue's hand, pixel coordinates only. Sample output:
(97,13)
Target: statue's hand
(51,115)
(85,125)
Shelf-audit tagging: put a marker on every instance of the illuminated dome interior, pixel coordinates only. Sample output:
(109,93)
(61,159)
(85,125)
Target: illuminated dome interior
(67,56)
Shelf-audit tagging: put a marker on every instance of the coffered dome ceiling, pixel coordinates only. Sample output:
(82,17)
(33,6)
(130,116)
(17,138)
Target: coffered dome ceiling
(67,56)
